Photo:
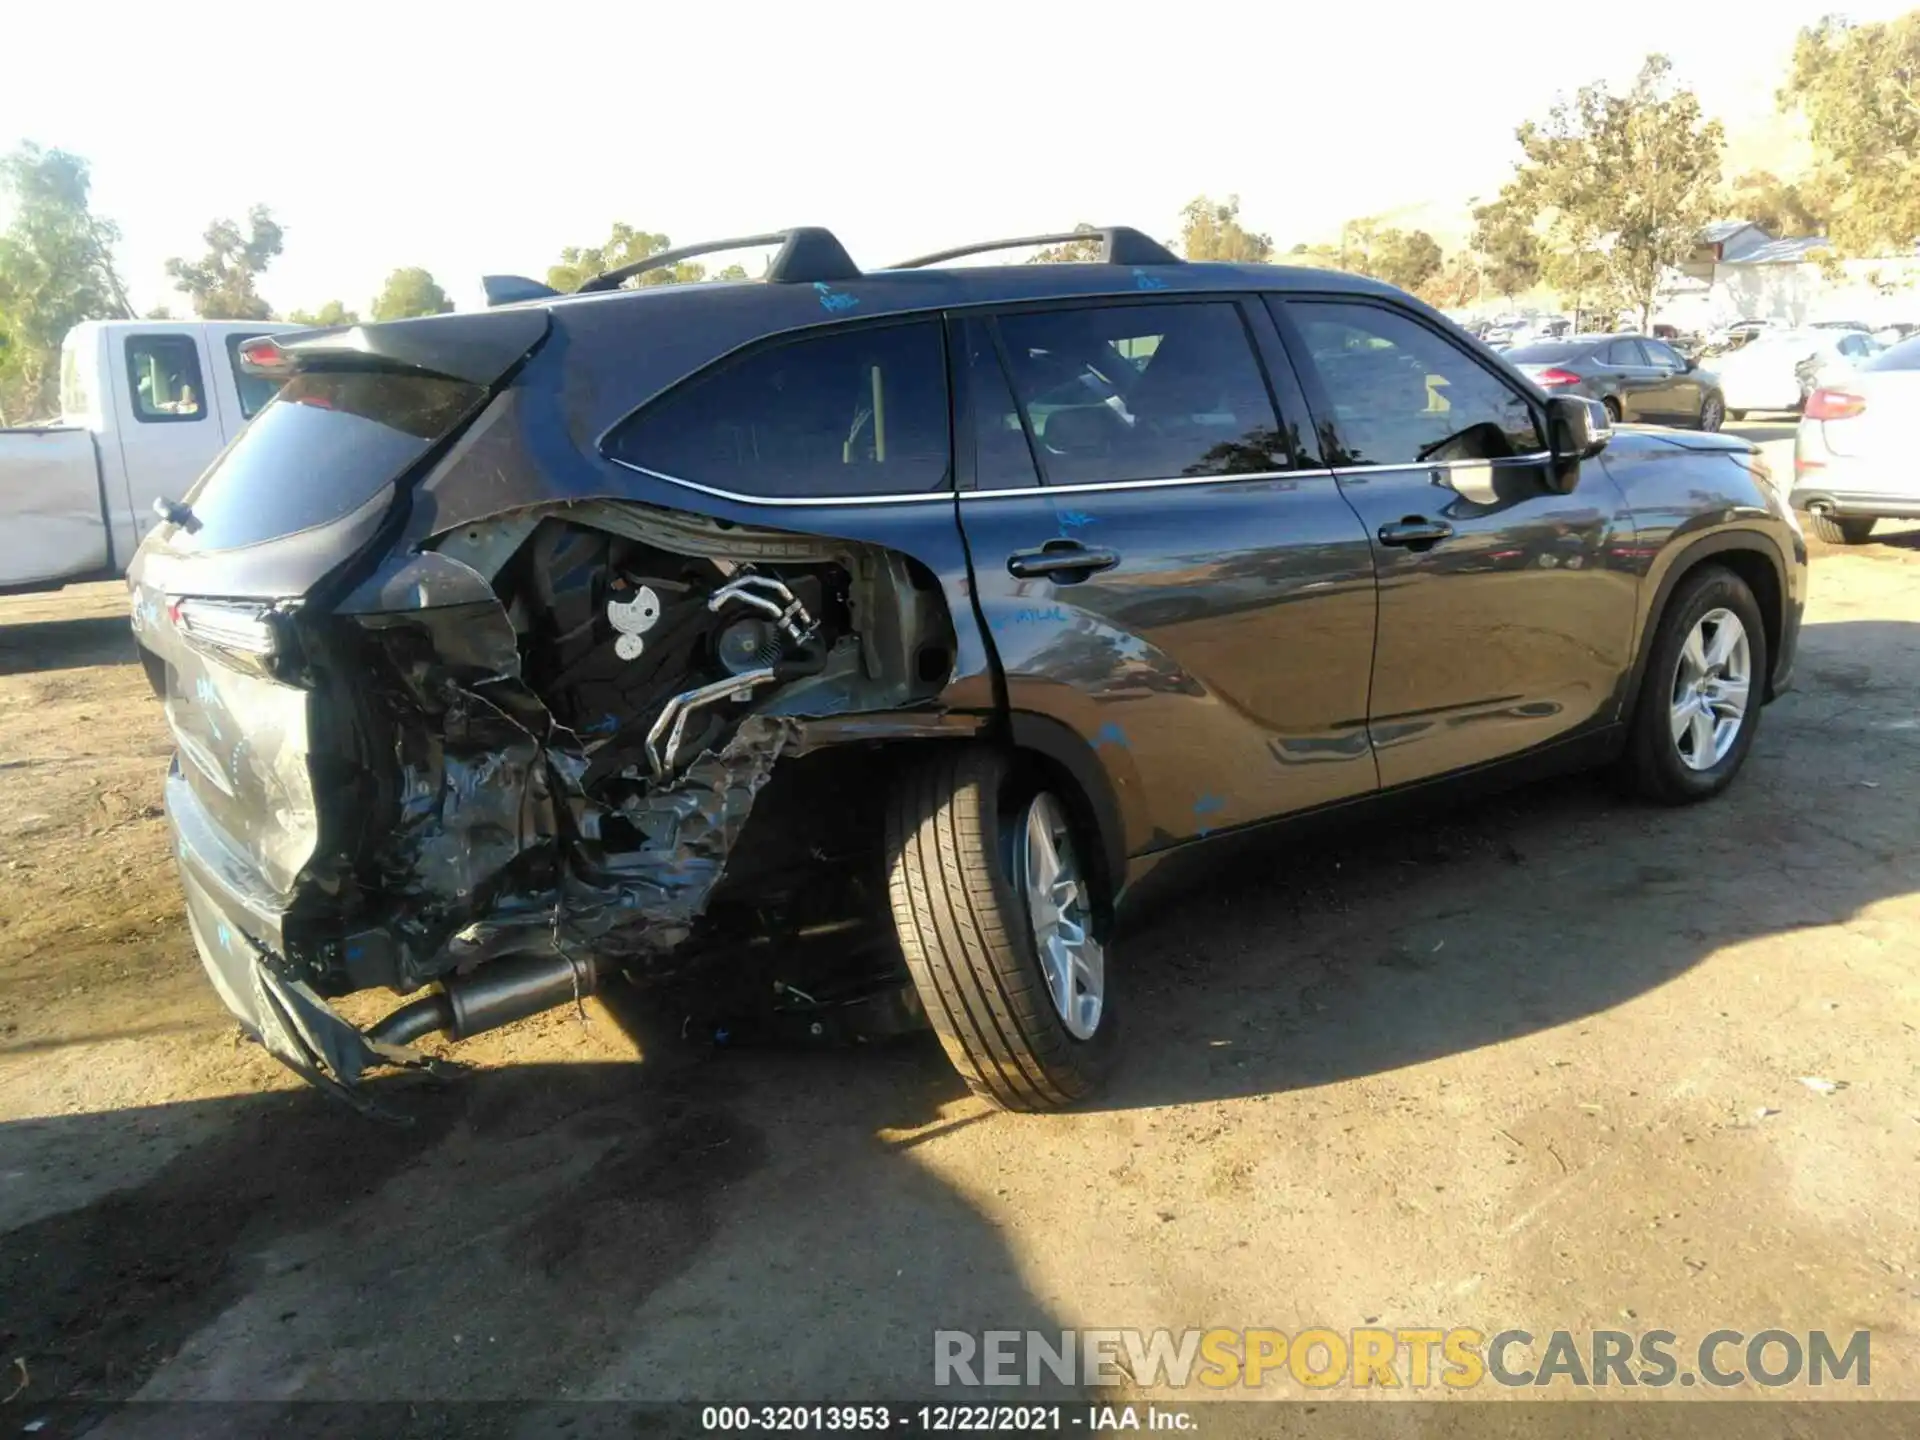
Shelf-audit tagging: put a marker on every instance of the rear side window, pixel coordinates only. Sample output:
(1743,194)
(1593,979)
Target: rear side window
(163,377)
(1402,395)
(1662,355)
(1141,392)
(1625,352)
(1904,356)
(255,390)
(333,442)
(857,412)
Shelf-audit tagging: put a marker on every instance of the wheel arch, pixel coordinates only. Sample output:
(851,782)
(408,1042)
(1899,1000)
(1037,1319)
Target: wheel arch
(1750,555)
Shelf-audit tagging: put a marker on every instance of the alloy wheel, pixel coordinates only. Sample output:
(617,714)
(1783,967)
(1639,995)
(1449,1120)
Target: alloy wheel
(1712,683)
(1059,904)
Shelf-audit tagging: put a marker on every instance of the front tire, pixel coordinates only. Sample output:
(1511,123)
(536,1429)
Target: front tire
(1001,927)
(1838,530)
(1700,697)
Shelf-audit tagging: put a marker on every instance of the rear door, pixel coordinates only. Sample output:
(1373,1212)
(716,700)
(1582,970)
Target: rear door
(1161,562)
(1676,396)
(169,430)
(1635,382)
(1501,626)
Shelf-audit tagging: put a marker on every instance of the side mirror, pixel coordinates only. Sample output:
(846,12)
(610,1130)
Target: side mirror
(1577,430)
(1690,363)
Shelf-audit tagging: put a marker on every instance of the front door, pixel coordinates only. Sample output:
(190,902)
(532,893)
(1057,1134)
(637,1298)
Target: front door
(1639,385)
(1504,623)
(1161,563)
(1677,399)
(168,428)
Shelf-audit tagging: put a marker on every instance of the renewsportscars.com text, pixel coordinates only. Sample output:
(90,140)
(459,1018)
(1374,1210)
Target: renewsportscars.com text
(1457,1358)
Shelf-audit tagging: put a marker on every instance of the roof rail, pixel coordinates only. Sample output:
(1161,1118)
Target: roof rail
(1119,245)
(807,254)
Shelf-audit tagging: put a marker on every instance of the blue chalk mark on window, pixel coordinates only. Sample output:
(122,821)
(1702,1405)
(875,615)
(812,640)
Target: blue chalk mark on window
(354,952)
(1143,281)
(834,301)
(1203,807)
(226,935)
(1112,734)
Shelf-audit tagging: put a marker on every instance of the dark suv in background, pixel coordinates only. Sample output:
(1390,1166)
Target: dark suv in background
(901,617)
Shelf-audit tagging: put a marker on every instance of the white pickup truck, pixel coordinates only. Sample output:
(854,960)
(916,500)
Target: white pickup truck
(145,406)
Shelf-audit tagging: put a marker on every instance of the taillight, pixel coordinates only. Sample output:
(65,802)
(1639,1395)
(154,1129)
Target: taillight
(262,356)
(1835,405)
(1556,376)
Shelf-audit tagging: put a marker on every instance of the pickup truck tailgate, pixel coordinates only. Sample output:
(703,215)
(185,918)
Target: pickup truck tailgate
(55,528)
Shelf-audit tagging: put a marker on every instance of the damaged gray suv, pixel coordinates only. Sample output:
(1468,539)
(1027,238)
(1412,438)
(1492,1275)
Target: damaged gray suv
(849,636)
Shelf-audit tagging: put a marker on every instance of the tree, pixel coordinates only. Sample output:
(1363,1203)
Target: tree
(1212,231)
(626,245)
(326,317)
(1406,258)
(410,291)
(221,286)
(56,269)
(1623,183)
(1508,250)
(160,312)
(1859,88)
(1457,284)
(1781,207)
(1070,252)
(732,272)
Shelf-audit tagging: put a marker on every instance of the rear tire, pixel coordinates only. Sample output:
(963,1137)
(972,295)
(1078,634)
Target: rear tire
(956,824)
(1666,759)
(1838,530)
(1613,409)
(1713,410)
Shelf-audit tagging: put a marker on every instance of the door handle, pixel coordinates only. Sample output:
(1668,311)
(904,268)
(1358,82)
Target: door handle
(1415,532)
(1066,562)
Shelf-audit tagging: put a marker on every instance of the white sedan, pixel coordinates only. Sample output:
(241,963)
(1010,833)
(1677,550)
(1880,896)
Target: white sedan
(1856,456)
(1777,370)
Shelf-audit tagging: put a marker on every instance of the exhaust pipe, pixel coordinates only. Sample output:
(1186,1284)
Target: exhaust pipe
(503,991)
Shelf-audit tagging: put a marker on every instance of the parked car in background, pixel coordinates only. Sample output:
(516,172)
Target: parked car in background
(145,406)
(1639,379)
(1856,455)
(1893,334)
(1779,369)
(896,619)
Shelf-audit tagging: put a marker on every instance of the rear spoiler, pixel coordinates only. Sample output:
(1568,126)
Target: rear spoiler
(478,348)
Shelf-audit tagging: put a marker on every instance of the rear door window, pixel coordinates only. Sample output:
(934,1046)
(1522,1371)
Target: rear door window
(1663,355)
(1625,352)
(1904,356)
(859,412)
(1402,394)
(333,442)
(164,380)
(1140,392)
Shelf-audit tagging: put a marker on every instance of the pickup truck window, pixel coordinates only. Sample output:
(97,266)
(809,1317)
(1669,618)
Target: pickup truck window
(255,390)
(163,376)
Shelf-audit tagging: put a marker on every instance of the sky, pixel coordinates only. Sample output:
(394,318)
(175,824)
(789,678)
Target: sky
(475,140)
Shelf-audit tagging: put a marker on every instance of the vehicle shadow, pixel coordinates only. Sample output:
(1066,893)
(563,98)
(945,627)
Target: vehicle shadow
(498,1247)
(33,646)
(1286,966)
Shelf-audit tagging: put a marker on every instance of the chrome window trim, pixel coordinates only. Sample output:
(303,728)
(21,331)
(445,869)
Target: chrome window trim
(1093,488)
(932,496)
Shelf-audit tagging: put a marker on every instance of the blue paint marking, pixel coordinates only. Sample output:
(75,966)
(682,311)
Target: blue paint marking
(1143,281)
(1207,805)
(1052,615)
(1112,734)
(226,936)
(204,692)
(605,725)
(834,301)
(1074,519)
(354,952)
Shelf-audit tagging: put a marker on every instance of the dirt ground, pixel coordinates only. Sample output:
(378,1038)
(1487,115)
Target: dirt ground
(1538,1064)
